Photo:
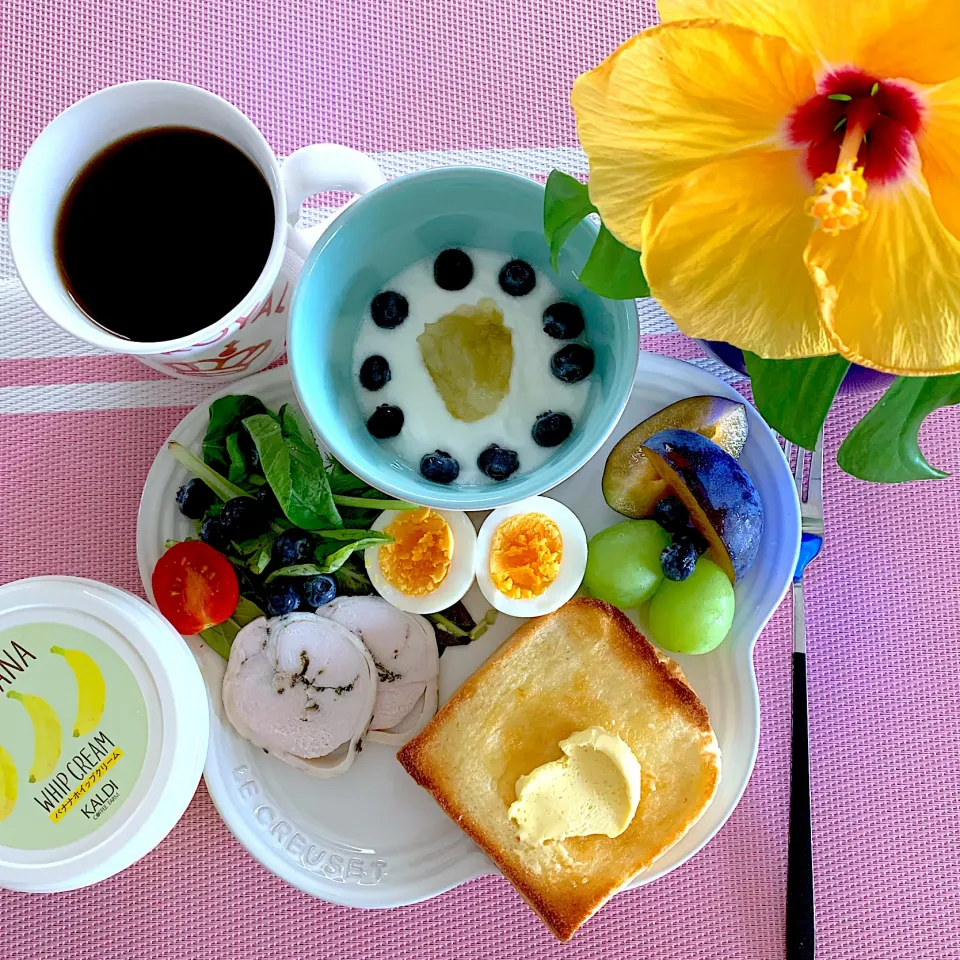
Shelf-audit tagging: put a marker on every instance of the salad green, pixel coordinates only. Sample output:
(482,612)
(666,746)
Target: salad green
(249,451)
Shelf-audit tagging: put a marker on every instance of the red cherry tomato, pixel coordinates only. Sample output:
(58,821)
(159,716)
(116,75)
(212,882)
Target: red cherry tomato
(195,586)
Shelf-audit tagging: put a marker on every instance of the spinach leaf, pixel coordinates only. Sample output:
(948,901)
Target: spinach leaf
(355,535)
(219,484)
(238,463)
(883,447)
(294,469)
(458,634)
(794,396)
(255,554)
(566,201)
(330,558)
(335,559)
(372,503)
(297,570)
(341,480)
(352,579)
(220,638)
(226,414)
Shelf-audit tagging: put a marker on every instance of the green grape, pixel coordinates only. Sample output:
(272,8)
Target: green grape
(693,615)
(623,563)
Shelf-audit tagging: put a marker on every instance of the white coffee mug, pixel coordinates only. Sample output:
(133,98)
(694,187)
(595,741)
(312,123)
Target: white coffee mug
(251,335)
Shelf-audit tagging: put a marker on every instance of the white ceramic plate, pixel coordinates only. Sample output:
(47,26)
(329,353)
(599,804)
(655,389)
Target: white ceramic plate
(372,838)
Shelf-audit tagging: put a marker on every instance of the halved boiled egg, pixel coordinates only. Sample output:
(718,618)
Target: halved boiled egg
(531,557)
(429,566)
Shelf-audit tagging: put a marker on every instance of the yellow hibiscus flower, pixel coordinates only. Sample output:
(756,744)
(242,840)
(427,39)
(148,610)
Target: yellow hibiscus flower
(790,172)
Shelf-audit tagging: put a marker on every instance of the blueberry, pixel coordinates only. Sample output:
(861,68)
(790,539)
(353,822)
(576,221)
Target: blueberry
(389,309)
(213,534)
(283,596)
(249,450)
(374,373)
(194,498)
(319,591)
(517,278)
(678,560)
(563,321)
(268,501)
(243,519)
(292,546)
(572,363)
(693,536)
(439,467)
(551,429)
(452,270)
(671,514)
(385,422)
(498,463)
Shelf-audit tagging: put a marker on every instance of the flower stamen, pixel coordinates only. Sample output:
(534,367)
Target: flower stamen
(839,198)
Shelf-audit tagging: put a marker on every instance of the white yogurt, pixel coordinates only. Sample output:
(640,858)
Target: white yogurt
(428,425)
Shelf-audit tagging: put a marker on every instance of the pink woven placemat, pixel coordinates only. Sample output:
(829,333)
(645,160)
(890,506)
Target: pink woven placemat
(427,83)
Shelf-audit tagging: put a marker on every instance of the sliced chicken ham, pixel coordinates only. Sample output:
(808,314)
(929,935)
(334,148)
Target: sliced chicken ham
(303,688)
(404,651)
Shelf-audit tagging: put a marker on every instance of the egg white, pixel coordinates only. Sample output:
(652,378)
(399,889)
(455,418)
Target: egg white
(454,585)
(573,559)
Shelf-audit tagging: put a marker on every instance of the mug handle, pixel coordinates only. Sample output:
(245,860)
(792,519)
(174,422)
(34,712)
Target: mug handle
(318,167)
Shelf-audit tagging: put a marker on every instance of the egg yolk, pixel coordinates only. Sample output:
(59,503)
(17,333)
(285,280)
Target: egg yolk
(525,555)
(419,558)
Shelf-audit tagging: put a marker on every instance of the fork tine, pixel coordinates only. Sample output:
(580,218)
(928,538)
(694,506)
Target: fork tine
(815,483)
(798,471)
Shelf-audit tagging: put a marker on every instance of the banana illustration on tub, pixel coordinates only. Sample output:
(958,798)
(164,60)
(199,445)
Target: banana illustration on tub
(47,735)
(8,785)
(47,732)
(91,690)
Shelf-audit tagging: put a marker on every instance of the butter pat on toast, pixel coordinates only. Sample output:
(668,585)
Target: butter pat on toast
(586,665)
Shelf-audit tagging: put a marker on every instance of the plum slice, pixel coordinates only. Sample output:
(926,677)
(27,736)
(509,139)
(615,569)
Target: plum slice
(630,484)
(724,504)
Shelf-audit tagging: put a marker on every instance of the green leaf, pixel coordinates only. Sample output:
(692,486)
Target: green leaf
(247,611)
(613,270)
(222,487)
(794,396)
(296,570)
(566,201)
(370,503)
(354,535)
(238,463)
(220,638)
(226,414)
(342,480)
(352,579)
(256,553)
(329,562)
(294,469)
(458,634)
(883,447)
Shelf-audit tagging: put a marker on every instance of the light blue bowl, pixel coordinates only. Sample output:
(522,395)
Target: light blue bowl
(384,232)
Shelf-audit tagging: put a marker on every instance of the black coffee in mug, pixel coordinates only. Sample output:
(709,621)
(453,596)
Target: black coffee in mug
(164,232)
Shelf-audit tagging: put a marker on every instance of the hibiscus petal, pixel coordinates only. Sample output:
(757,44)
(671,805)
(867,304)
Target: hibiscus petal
(917,39)
(675,98)
(939,146)
(723,254)
(889,290)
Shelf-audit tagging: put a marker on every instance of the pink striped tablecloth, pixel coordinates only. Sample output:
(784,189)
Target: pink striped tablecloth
(427,83)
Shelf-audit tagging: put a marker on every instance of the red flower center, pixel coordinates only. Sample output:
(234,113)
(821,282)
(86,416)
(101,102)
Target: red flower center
(888,114)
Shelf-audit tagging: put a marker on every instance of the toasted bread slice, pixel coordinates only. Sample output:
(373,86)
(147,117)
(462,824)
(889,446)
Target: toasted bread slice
(585,665)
